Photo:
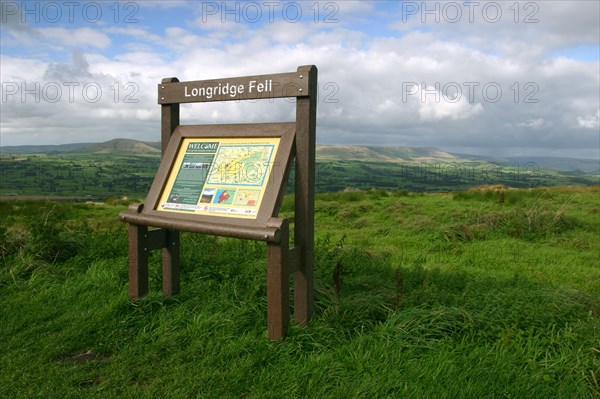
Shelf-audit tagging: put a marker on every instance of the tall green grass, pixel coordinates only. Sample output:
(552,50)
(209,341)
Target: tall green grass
(418,296)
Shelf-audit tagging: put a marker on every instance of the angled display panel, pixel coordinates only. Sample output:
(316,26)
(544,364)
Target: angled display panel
(220,176)
(223,172)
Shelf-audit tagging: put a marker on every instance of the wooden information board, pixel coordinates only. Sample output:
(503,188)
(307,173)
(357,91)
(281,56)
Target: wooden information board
(229,180)
(221,176)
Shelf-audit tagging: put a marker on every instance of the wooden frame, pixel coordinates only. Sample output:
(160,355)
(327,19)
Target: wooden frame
(297,140)
(275,186)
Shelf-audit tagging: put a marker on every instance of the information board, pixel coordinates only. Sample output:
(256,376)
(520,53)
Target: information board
(219,176)
(229,180)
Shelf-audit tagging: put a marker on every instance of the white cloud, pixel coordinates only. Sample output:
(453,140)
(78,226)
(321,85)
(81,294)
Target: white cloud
(537,123)
(502,25)
(17,33)
(20,69)
(590,121)
(286,33)
(362,78)
(446,108)
(70,102)
(80,37)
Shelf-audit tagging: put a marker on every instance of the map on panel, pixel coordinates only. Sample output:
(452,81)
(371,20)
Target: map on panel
(241,164)
(219,176)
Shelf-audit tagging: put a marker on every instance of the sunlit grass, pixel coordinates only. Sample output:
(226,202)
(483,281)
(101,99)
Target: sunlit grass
(466,295)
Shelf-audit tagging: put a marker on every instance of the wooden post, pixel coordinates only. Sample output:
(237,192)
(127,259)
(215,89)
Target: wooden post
(170,263)
(306,116)
(169,118)
(170,253)
(278,308)
(138,260)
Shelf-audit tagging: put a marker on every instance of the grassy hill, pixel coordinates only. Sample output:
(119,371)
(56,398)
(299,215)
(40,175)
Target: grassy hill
(561,164)
(111,146)
(386,154)
(42,149)
(124,167)
(123,146)
(486,293)
(326,153)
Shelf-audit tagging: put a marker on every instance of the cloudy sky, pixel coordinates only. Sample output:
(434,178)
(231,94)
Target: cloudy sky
(502,78)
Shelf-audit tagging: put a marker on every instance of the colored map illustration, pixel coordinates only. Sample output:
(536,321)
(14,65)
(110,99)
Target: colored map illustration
(241,165)
(247,197)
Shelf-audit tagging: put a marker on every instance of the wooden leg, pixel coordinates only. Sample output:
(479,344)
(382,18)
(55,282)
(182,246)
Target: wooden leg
(305,141)
(138,261)
(170,263)
(278,309)
(303,295)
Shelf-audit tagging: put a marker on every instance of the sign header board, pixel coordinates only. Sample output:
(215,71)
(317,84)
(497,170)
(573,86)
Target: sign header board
(280,85)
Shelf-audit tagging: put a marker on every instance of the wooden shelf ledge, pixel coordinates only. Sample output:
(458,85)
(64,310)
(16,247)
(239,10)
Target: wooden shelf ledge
(270,233)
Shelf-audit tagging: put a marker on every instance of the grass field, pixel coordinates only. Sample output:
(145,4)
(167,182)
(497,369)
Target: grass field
(102,175)
(488,293)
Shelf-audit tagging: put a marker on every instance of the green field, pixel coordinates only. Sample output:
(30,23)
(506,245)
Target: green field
(113,174)
(337,175)
(477,294)
(87,175)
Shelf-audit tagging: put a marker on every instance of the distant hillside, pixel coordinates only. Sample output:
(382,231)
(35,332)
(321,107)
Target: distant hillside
(42,149)
(122,146)
(115,145)
(385,154)
(125,167)
(433,155)
(575,165)
(561,164)
(327,153)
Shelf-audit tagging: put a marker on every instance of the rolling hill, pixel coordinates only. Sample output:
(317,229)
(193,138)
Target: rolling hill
(123,146)
(381,153)
(327,153)
(561,164)
(42,149)
(111,146)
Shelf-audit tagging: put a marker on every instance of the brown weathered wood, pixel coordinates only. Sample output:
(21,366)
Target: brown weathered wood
(275,186)
(138,261)
(286,175)
(306,116)
(278,308)
(170,247)
(155,239)
(166,221)
(294,259)
(170,263)
(169,118)
(282,85)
